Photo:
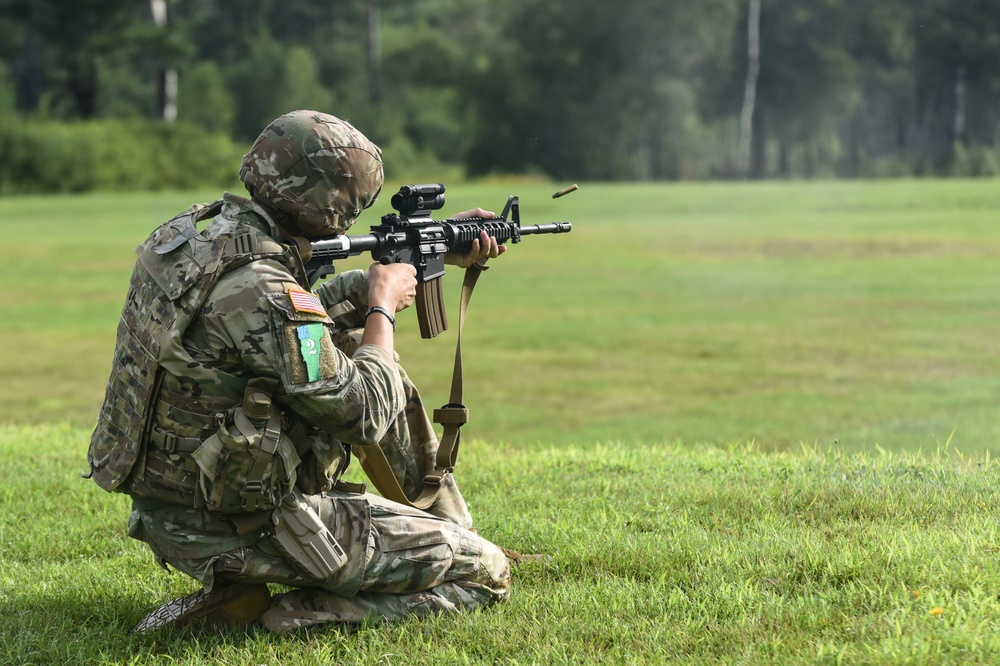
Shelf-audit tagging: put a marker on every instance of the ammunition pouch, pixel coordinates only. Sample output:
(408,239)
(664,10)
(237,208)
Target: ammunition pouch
(248,464)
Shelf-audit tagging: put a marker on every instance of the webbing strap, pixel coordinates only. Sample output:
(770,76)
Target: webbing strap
(451,416)
(254,493)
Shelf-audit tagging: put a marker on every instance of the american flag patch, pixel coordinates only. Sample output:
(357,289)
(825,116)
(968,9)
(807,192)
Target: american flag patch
(304,301)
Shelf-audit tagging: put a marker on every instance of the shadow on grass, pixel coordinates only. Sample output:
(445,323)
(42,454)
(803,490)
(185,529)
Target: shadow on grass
(58,627)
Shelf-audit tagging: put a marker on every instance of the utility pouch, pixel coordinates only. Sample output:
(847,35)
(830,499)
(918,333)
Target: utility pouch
(304,540)
(248,464)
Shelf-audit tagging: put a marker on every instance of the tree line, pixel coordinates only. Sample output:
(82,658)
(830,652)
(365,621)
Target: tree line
(581,89)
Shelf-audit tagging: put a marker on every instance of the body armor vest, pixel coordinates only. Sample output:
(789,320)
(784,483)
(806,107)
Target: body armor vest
(176,271)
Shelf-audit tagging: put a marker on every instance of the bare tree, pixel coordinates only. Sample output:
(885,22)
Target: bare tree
(750,89)
(166,97)
(374,53)
(961,92)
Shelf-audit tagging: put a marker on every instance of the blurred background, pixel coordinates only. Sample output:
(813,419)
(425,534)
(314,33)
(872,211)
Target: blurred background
(791,299)
(141,94)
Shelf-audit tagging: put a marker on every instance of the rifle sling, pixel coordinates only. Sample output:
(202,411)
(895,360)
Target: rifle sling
(451,416)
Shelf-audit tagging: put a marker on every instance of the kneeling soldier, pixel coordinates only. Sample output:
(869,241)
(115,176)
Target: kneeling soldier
(237,395)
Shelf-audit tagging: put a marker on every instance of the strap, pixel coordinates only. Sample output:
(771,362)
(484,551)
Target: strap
(186,234)
(254,493)
(454,415)
(451,416)
(150,504)
(171,443)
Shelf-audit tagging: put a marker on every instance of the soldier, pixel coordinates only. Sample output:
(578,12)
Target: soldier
(237,395)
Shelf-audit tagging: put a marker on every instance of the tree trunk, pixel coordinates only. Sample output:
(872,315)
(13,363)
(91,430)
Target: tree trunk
(166,98)
(166,84)
(644,158)
(374,53)
(82,84)
(855,139)
(960,101)
(28,70)
(750,88)
(758,150)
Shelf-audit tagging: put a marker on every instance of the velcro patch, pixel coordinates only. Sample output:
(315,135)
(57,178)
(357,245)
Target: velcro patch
(309,351)
(310,336)
(305,301)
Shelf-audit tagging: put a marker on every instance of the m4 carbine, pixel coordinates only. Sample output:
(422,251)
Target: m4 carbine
(411,236)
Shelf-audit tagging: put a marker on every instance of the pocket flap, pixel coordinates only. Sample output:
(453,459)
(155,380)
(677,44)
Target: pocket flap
(211,457)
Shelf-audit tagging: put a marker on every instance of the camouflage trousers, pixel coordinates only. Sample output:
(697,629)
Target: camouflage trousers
(400,561)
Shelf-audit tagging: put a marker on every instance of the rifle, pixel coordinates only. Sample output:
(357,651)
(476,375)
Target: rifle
(410,235)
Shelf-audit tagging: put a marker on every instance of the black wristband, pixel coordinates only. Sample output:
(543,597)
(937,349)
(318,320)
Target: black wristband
(381,310)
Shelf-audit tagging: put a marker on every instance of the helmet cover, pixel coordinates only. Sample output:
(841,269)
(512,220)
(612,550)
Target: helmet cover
(317,169)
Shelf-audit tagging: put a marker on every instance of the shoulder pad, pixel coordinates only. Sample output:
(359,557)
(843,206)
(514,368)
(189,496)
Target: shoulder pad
(175,270)
(181,228)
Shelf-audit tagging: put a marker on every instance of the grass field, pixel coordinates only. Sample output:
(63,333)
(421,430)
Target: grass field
(855,313)
(654,554)
(729,414)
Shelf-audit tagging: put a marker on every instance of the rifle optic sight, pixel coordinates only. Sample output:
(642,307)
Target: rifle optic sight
(418,200)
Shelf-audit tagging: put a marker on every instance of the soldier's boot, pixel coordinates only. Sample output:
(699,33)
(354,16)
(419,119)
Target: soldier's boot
(228,604)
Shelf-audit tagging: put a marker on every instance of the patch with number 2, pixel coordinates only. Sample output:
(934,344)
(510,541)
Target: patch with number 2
(309,339)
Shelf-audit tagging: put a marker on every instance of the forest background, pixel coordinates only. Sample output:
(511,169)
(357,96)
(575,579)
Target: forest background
(140,94)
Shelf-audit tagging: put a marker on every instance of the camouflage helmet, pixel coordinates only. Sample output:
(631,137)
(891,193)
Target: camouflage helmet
(317,169)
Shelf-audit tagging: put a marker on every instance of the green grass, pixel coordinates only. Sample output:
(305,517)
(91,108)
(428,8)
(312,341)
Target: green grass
(729,414)
(855,313)
(655,554)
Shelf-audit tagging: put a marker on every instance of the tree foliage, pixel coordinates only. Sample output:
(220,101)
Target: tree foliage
(581,89)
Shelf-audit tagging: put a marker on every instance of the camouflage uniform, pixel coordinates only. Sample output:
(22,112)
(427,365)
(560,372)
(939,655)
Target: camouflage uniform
(245,314)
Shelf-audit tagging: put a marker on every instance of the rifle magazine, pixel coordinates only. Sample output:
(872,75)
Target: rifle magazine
(430,308)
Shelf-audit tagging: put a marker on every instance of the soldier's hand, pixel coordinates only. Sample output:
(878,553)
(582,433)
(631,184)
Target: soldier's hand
(392,286)
(483,247)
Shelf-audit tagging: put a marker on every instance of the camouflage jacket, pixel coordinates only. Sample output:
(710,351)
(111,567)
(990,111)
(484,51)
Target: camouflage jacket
(259,319)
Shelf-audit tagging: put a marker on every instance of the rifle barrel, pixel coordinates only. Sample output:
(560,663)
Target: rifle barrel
(551,228)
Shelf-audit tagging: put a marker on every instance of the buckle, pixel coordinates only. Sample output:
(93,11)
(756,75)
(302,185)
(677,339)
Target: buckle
(242,244)
(435,479)
(349,487)
(253,496)
(452,414)
(169,441)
